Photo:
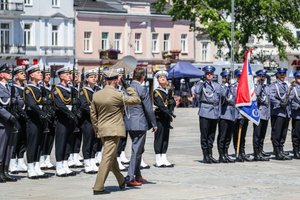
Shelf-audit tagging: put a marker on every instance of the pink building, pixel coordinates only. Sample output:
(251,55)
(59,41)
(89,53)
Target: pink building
(130,28)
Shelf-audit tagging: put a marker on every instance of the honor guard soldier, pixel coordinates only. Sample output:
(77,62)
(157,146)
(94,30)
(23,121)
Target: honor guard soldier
(295,114)
(140,119)
(48,108)
(240,121)
(76,138)
(263,101)
(107,118)
(210,94)
(66,122)
(227,118)
(280,113)
(17,163)
(8,122)
(164,117)
(37,122)
(86,96)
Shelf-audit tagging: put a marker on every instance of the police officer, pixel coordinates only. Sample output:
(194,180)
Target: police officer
(295,114)
(35,123)
(164,117)
(263,101)
(8,122)
(210,94)
(240,122)
(48,108)
(280,113)
(65,125)
(227,118)
(17,163)
(86,96)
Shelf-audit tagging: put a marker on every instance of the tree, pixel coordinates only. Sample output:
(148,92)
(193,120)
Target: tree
(264,19)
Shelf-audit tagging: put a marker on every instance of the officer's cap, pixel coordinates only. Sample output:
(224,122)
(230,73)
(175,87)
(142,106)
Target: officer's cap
(225,73)
(33,68)
(297,74)
(5,68)
(261,72)
(111,74)
(63,70)
(161,73)
(281,70)
(47,69)
(208,69)
(90,73)
(237,72)
(20,68)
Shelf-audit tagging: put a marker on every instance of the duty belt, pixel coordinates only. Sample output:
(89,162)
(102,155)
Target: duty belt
(210,103)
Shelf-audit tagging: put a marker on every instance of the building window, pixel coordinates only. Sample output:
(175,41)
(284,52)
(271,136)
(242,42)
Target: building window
(155,43)
(27,2)
(204,51)
(27,35)
(4,38)
(183,41)
(54,35)
(104,41)
(55,3)
(166,42)
(138,43)
(87,42)
(117,41)
(298,36)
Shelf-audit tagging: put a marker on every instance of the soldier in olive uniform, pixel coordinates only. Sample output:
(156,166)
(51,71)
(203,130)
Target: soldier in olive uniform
(259,131)
(280,113)
(210,94)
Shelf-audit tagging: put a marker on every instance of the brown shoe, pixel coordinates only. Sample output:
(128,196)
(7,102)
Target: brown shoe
(140,179)
(133,184)
(97,192)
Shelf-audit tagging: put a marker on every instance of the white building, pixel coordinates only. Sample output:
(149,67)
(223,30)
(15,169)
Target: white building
(37,31)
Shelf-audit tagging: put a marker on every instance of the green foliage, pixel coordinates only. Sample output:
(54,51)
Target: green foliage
(268,19)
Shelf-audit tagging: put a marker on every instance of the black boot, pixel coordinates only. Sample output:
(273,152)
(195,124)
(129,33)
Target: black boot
(8,177)
(296,152)
(238,158)
(264,154)
(278,155)
(227,156)
(258,155)
(212,159)
(222,158)
(285,154)
(205,157)
(245,156)
(2,176)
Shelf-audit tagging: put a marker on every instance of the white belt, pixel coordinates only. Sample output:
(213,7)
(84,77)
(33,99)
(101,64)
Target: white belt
(69,107)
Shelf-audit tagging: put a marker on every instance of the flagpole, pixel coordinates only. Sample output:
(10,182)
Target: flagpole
(232,36)
(238,145)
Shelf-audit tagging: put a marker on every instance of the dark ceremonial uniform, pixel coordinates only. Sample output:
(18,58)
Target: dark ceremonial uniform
(280,116)
(7,126)
(260,130)
(66,121)
(89,139)
(163,119)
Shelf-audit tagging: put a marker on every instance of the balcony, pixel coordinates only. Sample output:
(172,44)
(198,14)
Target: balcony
(109,54)
(50,50)
(12,49)
(13,8)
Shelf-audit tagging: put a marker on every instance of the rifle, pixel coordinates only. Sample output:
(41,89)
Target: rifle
(124,82)
(74,101)
(171,102)
(82,78)
(13,103)
(45,104)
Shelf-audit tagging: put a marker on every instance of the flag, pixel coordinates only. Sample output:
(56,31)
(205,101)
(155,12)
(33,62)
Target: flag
(246,100)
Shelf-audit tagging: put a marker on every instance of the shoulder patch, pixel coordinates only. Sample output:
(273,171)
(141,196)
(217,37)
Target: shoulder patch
(27,91)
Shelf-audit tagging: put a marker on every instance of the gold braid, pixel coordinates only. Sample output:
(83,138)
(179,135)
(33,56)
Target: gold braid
(159,94)
(39,100)
(61,96)
(87,96)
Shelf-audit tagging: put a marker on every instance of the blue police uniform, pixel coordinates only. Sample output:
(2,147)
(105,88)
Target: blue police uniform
(259,131)
(280,114)
(295,115)
(210,94)
(227,118)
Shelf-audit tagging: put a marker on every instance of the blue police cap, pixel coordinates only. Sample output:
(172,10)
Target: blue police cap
(209,68)
(261,72)
(281,70)
(237,72)
(225,73)
(5,68)
(297,74)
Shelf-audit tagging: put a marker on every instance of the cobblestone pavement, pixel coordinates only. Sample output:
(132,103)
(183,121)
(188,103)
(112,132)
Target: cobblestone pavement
(189,179)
